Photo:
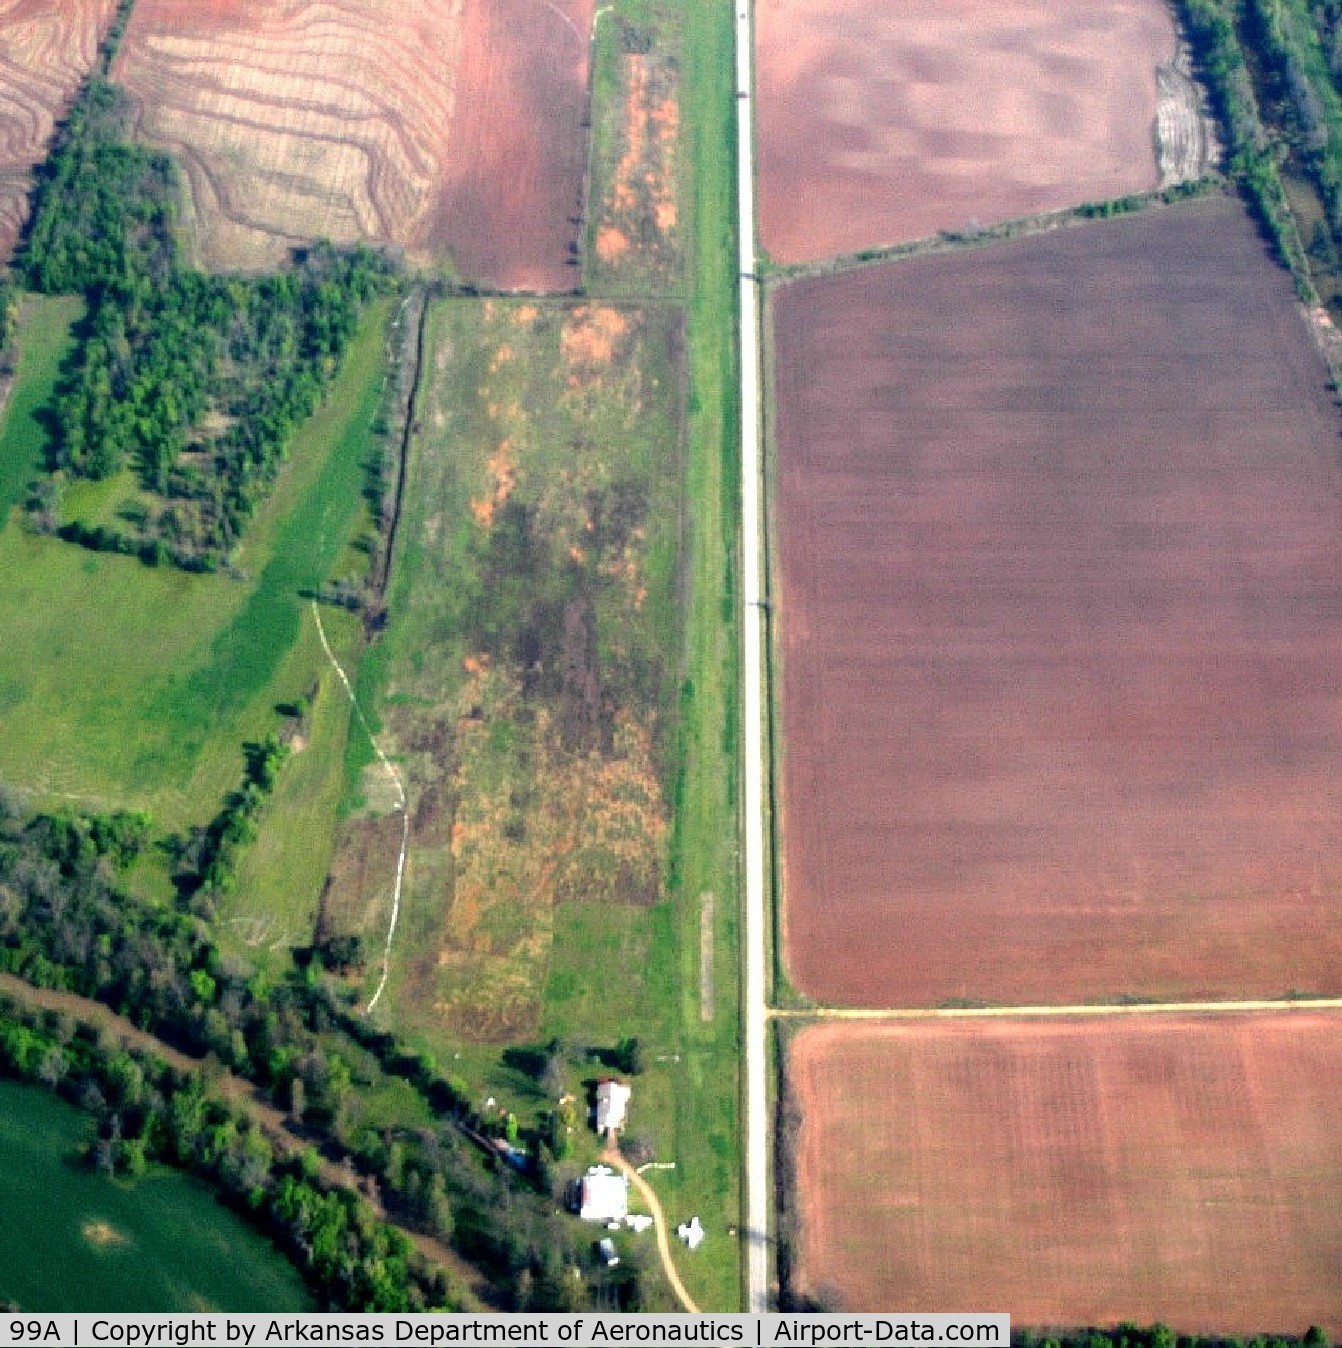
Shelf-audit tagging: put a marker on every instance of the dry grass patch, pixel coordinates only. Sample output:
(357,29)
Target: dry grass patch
(637,224)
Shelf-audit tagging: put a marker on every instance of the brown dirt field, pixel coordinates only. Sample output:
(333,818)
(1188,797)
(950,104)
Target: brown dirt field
(511,206)
(1060,593)
(1174,1169)
(46,50)
(883,123)
(448,125)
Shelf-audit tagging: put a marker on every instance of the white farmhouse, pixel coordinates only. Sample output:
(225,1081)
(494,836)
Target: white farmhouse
(612,1104)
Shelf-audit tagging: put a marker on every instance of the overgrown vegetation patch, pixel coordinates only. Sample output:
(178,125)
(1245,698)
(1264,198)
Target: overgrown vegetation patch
(636,230)
(532,648)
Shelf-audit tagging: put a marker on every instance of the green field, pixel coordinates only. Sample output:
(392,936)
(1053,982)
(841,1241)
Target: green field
(74,1240)
(126,685)
(43,340)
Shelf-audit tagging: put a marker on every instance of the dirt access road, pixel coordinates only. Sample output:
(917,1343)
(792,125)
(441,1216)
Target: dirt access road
(612,1156)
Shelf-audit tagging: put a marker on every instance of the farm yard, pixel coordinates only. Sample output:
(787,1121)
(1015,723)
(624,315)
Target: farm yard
(1158,1168)
(46,50)
(1059,557)
(879,124)
(439,128)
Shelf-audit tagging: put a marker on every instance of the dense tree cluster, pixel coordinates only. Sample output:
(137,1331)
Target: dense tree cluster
(1252,153)
(196,382)
(147,1112)
(9,319)
(66,922)
(1161,1336)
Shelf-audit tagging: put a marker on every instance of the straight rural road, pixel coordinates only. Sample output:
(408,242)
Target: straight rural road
(753,693)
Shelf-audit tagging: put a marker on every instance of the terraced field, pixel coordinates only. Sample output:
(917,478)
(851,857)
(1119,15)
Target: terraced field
(435,127)
(46,49)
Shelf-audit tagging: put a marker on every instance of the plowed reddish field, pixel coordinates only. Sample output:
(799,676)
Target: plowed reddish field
(1060,562)
(885,122)
(46,49)
(1077,1173)
(446,125)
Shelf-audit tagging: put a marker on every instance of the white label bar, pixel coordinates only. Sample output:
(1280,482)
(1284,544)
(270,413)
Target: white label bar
(260,1330)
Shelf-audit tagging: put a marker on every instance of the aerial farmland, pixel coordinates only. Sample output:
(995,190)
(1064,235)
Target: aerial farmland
(879,124)
(1054,545)
(446,130)
(777,564)
(356,371)
(1080,1172)
(1059,539)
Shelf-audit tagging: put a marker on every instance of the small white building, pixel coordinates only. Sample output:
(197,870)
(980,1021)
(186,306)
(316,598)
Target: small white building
(612,1105)
(603,1196)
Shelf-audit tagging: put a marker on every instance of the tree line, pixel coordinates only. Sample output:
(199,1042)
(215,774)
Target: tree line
(1251,150)
(146,1112)
(194,382)
(68,922)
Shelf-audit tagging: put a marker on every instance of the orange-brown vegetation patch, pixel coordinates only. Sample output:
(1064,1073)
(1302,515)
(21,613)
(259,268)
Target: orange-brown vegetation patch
(448,124)
(880,123)
(638,216)
(1157,1169)
(592,338)
(524,701)
(1060,556)
(46,50)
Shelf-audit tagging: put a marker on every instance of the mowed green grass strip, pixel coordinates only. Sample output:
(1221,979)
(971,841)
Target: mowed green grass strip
(121,685)
(44,339)
(704,846)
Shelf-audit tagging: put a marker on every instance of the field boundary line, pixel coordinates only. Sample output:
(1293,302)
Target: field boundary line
(401,805)
(1211,183)
(1091,1009)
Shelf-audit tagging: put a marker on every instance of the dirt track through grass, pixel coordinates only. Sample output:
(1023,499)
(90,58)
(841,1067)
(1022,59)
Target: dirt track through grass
(394,916)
